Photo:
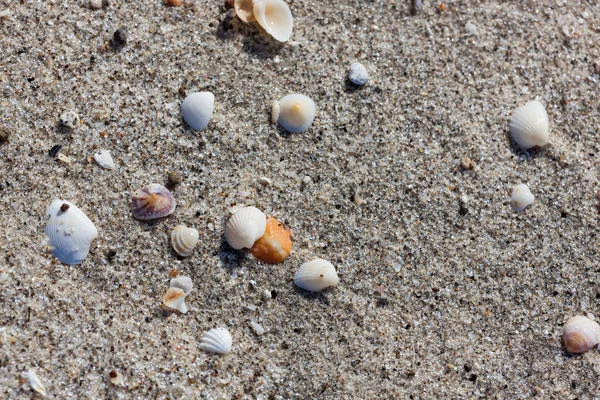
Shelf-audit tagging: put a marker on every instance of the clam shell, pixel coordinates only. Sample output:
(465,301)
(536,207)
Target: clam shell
(175,299)
(182,282)
(316,275)
(152,201)
(197,109)
(581,334)
(216,340)
(245,227)
(244,10)
(521,197)
(70,231)
(104,159)
(184,239)
(529,125)
(275,17)
(296,112)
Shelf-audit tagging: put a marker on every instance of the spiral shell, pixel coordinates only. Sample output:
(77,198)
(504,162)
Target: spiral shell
(529,125)
(316,275)
(245,227)
(275,245)
(296,112)
(152,201)
(581,334)
(275,17)
(184,239)
(217,340)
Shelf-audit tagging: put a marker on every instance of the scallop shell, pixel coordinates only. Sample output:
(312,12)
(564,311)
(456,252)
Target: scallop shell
(184,239)
(296,112)
(245,227)
(104,159)
(275,17)
(529,125)
(35,383)
(182,282)
(175,299)
(216,340)
(244,10)
(152,201)
(275,245)
(581,334)
(521,197)
(70,232)
(197,109)
(316,275)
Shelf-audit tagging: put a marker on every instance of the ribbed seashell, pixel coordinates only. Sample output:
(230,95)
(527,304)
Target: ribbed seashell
(275,17)
(184,239)
(275,245)
(197,109)
(581,334)
(104,159)
(296,112)
(152,201)
(244,10)
(529,125)
(245,227)
(216,340)
(182,282)
(70,232)
(521,197)
(316,275)
(175,299)
(35,383)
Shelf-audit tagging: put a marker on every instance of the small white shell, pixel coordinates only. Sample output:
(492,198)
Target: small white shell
(35,383)
(104,159)
(529,125)
(581,334)
(70,232)
(182,282)
(175,299)
(316,275)
(244,10)
(217,340)
(257,328)
(296,112)
(275,110)
(245,227)
(521,197)
(184,239)
(197,109)
(275,17)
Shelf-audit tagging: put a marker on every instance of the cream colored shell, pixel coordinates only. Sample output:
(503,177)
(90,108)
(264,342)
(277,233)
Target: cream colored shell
(581,334)
(316,275)
(184,240)
(244,10)
(296,112)
(217,340)
(521,197)
(529,125)
(275,17)
(245,227)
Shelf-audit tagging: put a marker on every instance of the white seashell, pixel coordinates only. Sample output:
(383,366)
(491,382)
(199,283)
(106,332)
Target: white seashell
(175,299)
(104,159)
(244,10)
(529,125)
(217,340)
(275,110)
(184,239)
(70,232)
(245,227)
(296,112)
(257,328)
(316,275)
(35,383)
(70,119)
(182,282)
(521,197)
(581,334)
(275,17)
(358,74)
(197,109)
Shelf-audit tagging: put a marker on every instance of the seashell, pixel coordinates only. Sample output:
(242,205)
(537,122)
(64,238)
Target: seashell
(104,159)
(257,328)
(70,232)
(275,245)
(316,275)
(184,239)
(275,111)
(175,299)
(245,227)
(35,383)
(244,10)
(581,334)
(116,378)
(217,340)
(275,17)
(358,74)
(182,282)
(521,197)
(529,125)
(70,119)
(197,109)
(296,112)
(152,201)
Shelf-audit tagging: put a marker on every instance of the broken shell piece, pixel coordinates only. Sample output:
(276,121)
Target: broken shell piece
(98,4)
(197,110)
(175,299)
(529,125)
(104,159)
(275,17)
(581,334)
(275,245)
(63,158)
(152,201)
(70,119)
(182,282)
(296,112)
(216,340)
(70,232)
(245,227)
(521,197)
(275,110)
(316,275)
(115,378)
(257,328)
(35,383)
(184,239)
(244,10)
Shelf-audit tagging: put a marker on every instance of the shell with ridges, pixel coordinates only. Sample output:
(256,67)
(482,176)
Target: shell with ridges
(197,109)
(296,112)
(275,17)
(184,239)
(529,125)
(245,227)
(152,201)
(217,340)
(581,334)
(316,275)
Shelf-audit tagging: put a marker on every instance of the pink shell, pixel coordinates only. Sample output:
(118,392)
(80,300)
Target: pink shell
(152,201)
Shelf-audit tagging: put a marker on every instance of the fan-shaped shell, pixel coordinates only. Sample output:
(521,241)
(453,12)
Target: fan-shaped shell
(245,227)
(70,231)
(184,239)
(316,275)
(521,197)
(529,125)
(197,109)
(244,10)
(275,245)
(581,334)
(152,201)
(275,17)
(217,340)
(296,112)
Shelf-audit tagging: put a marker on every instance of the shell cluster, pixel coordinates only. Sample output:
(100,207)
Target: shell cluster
(316,275)
(179,288)
(197,109)
(184,239)
(274,16)
(294,112)
(529,125)
(217,340)
(581,334)
(151,202)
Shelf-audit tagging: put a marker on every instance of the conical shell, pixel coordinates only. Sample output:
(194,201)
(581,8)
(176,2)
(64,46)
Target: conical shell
(197,109)
(175,299)
(70,232)
(245,227)
(217,340)
(529,125)
(152,201)
(581,334)
(316,275)
(296,112)
(244,10)
(184,239)
(275,17)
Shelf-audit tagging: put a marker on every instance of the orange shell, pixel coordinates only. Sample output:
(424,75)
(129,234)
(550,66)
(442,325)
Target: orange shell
(275,245)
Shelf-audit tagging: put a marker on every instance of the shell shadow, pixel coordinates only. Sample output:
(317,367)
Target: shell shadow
(316,296)
(528,154)
(351,87)
(231,257)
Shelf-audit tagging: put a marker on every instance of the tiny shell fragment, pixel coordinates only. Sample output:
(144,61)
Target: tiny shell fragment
(104,159)
(35,383)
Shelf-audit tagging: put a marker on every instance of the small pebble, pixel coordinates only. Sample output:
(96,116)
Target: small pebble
(258,329)
(358,74)
(98,4)
(54,150)
(120,37)
(467,164)
(70,119)
(358,200)
(4,134)
(115,377)
(471,29)
(596,67)
(266,296)
(174,178)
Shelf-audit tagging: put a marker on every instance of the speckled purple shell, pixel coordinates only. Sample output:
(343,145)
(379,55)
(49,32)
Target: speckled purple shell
(151,202)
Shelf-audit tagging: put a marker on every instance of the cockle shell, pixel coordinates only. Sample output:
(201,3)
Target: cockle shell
(184,239)
(70,232)
(244,10)
(152,201)
(216,340)
(581,334)
(529,125)
(316,275)
(296,112)
(275,17)
(245,227)
(521,197)
(104,159)
(35,383)
(197,109)
(275,245)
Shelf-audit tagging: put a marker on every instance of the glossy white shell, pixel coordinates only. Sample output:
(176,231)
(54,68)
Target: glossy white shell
(296,112)
(35,383)
(70,232)
(244,10)
(245,227)
(316,275)
(275,17)
(104,159)
(182,282)
(197,109)
(217,340)
(184,239)
(521,197)
(529,125)
(581,334)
